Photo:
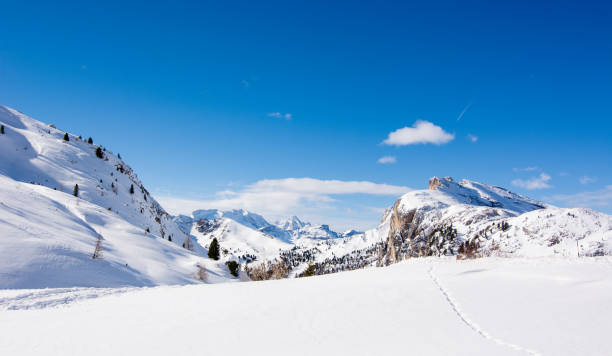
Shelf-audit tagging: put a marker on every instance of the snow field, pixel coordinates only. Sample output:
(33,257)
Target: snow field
(424,307)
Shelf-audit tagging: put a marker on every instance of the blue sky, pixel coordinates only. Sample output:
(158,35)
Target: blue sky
(222,103)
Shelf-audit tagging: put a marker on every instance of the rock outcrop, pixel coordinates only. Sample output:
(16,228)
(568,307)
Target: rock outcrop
(436,182)
(402,229)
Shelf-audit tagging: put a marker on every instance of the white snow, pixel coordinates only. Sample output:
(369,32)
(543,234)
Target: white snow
(470,193)
(48,239)
(535,229)
(427,306)
(48,236)
(239,239)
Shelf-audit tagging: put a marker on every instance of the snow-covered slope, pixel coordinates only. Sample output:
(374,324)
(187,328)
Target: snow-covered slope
(555,231)
(426,306)
(48,239)
(477,219)
(48,235)
(237,241)
(36,153)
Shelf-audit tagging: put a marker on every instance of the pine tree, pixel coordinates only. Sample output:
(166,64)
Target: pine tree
(75,192)
(2,129)
(310,271)
(132,189)
(66,138)
(233,267)
(213,249)
(99,153)
(90,141)
(119,155)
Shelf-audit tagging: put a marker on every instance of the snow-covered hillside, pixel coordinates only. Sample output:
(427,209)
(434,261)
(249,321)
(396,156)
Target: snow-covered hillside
(470,218)
(48,235)
(430,306)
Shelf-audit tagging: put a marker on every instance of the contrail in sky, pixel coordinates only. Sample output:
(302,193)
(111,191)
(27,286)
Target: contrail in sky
(464,110)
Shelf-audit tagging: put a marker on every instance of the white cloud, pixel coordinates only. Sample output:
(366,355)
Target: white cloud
(587,180)
(598,198)
(420,132)
(318,186)
(526,169)
(387,160)
(540,182)
(472,138)
(278,115)
(310,198)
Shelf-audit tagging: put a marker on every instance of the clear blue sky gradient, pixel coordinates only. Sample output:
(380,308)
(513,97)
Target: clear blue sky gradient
(182,90)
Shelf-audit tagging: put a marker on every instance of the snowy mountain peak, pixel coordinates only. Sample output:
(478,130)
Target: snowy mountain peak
(445,191)
(316,232)
(241,216)
(351,232)
(435,182)
(292,223)
(208,223)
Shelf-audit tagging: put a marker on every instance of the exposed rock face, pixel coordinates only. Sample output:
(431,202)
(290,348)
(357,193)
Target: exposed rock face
(402,228)
(434,183)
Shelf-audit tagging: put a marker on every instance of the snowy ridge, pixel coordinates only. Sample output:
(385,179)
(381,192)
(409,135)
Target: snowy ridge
(36,153)
(445,192)
(493,221)
(292,223)
(50,236)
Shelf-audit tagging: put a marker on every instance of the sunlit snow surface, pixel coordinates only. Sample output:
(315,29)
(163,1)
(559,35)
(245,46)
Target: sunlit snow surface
(547,306)
(48,236)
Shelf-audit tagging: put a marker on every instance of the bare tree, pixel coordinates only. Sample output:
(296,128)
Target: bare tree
(202,274)
(188,244)
(98,249)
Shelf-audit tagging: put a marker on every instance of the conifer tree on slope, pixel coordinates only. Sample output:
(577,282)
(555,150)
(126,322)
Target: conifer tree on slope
(213,249)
